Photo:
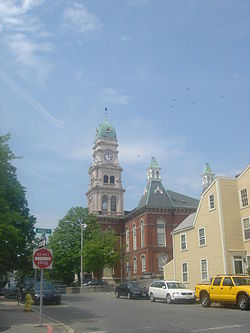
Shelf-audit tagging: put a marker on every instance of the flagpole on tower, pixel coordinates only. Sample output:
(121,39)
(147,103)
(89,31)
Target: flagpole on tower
(106,113)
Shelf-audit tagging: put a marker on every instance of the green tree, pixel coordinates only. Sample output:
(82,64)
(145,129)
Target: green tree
(66,245)
(99,249)
(16,223)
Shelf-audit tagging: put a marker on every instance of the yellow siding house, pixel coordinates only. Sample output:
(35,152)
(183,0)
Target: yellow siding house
(215,239)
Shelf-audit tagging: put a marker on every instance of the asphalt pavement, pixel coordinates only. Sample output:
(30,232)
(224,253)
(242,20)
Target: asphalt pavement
(13,319)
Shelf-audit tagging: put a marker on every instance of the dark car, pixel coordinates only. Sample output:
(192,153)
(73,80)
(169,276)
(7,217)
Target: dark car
(60,286)
(94,282)
(11,290)
(50,293)
(131,290)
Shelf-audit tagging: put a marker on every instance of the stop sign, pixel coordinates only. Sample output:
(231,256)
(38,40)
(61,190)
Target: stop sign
(42,258)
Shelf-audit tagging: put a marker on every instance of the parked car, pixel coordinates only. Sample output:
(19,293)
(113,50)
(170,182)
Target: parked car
(11,290)
(131,290)
(94,282)
(60,286)
(50,293)
(227,289)
(170,291)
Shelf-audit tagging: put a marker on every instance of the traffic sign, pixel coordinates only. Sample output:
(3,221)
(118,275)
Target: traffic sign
(43,231)
(42,258)
(42,243)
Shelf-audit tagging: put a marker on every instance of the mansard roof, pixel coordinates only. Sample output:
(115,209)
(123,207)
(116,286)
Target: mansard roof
(156,196)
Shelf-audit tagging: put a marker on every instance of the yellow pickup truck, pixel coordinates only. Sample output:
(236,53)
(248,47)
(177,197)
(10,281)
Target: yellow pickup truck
(225,288)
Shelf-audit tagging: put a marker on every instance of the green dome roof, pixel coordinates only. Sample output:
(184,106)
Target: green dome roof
(105,131)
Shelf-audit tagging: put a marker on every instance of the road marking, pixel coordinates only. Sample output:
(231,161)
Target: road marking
(216,328)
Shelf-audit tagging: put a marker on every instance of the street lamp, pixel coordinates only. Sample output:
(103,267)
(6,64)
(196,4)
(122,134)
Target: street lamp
(80,223)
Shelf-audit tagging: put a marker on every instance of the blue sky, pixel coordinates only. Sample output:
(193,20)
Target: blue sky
(173,74)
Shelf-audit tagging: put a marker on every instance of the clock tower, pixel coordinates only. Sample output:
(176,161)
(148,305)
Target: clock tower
(105,194)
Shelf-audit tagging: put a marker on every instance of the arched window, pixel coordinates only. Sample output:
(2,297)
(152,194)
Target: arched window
(162,260)
(161,234)
(143,263)
(113,203)
(135,264)
(105,179)
(127,239)
(105,202)
(142,233)
(134,237)
(112,179)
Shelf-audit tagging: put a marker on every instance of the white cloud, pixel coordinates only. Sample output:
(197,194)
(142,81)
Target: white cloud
(27,52)
(137,3)
(111,96)
(76,17)
(29,99)
(125,39)
(22,33)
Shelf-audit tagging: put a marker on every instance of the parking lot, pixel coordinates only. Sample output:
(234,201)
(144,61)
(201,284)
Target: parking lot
(103,312)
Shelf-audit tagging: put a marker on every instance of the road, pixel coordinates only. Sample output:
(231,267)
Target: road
(102,312)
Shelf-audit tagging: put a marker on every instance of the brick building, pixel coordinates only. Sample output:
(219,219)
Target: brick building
(145,231)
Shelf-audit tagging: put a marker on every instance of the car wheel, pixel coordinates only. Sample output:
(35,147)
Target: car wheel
(117,295)
(205,300)
(129,296)
(243,302)
(152,298)
(169,299)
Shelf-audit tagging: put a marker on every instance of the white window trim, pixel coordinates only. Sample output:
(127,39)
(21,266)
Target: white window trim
(238,259)
(240,199)
(161,221)
(201,269)
(135,270)
(242,223)
(205,236)
(248,256)
(142,238)
(143,256)
(209,204)
(127,239)
(134,234)
(183,234)
(186,281)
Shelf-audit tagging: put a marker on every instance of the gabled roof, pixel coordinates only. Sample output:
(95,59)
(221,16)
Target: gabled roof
(186,224)
(155,196)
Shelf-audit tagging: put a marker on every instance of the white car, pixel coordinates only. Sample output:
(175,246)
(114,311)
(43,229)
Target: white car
(170,291)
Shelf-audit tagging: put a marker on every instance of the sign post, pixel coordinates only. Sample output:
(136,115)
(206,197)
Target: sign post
(42,259)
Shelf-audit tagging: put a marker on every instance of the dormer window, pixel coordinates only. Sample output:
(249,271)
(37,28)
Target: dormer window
(108,129)
(158,190)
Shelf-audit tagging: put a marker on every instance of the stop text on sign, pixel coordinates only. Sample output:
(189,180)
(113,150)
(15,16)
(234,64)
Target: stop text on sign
(42,258)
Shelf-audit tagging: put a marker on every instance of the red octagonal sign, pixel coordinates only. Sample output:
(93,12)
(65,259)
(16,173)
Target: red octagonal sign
(42,258)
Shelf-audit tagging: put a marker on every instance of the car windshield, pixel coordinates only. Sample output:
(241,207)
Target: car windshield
(133,286)
(46,286)
(175,285)
(241,281)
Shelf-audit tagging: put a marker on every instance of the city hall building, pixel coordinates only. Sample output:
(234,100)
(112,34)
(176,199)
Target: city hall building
(144,232)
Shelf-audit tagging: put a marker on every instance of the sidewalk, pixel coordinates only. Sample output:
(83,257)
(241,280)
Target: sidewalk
(13,319)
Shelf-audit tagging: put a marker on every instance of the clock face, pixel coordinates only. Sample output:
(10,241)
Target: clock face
(108,157)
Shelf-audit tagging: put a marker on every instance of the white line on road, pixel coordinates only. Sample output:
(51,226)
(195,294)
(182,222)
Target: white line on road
(215,328)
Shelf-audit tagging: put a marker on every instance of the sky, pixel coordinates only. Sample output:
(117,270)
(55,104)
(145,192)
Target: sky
(174,75)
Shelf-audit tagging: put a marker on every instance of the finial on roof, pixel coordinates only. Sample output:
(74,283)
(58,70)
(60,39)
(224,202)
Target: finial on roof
(206,169)
(154,163)
(106,113)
